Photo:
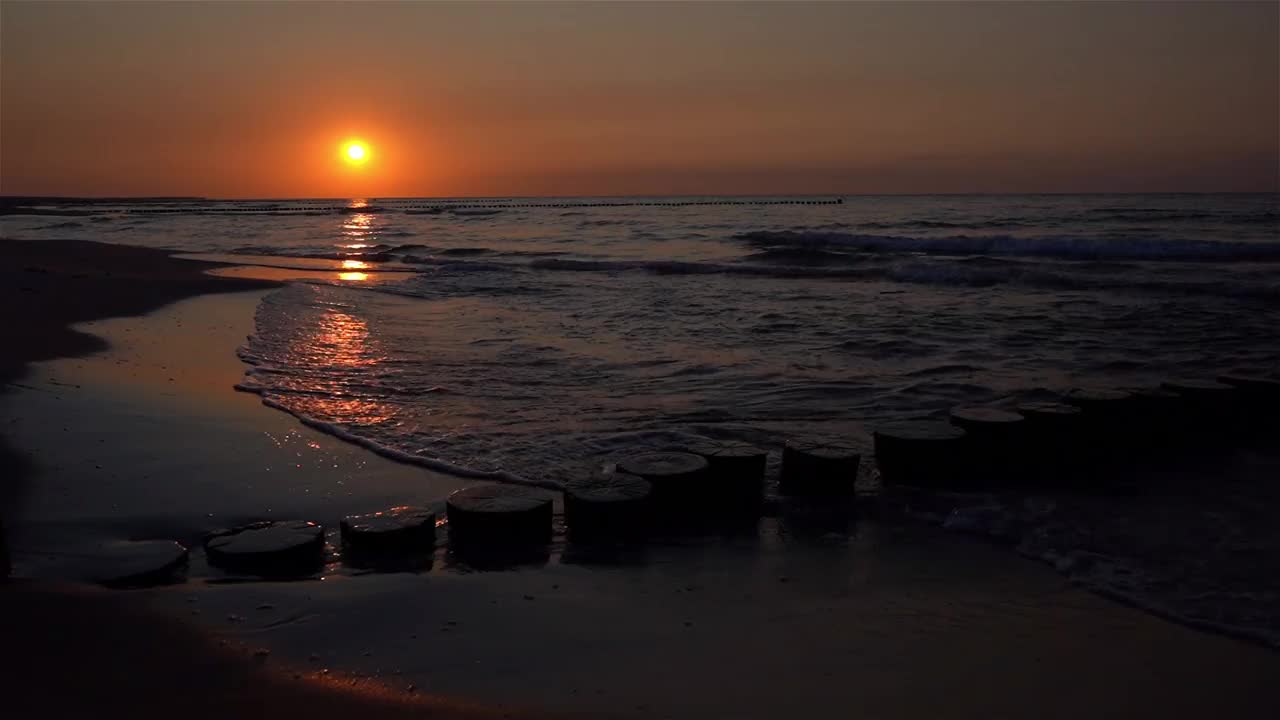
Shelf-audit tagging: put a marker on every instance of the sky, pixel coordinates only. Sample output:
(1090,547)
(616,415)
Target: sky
(473,99)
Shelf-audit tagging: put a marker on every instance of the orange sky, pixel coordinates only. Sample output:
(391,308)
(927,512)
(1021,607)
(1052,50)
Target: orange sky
(252,100)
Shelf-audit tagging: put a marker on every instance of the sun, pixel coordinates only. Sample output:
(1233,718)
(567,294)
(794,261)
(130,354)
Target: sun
(355,152)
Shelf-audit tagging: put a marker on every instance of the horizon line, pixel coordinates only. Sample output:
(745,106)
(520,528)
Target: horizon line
(108,198)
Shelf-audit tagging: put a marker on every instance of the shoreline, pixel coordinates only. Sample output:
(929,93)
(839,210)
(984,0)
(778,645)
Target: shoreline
(905,622)
(83,648)
(73,281)
(160,402)
(76,281)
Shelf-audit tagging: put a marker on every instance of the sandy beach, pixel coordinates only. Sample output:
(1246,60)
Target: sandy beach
(82,648)
(48,286)
(640,360)
(883,620)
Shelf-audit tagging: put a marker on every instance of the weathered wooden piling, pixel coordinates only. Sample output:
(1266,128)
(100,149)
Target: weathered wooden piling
(395,530)
(919,453)
(735,472)
(499,514)
(607,505)
(1052,437)
(677,477)
(294,547)
(816,468)
(996,452)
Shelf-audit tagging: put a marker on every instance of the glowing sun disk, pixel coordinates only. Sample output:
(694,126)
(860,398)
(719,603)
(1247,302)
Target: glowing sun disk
(355,152)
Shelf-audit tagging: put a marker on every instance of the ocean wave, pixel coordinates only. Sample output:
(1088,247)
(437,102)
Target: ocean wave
(943,273)
(658,267)
(691,267)
(373,253)
(944,225)
(42,212)
(1136,214)
(340,432)
(1068,248)
(408,246)
(819,262)
(458,212)
(458,264)
(1204,576)
(466,251)
(1095,216)
(804,255)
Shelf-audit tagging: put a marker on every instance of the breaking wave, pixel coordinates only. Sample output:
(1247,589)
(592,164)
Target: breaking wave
(1067,248)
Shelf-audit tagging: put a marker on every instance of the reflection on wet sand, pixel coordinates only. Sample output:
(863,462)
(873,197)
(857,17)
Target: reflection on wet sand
(282,274)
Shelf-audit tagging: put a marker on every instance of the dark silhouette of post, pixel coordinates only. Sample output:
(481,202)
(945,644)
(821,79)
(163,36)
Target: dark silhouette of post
(6,564)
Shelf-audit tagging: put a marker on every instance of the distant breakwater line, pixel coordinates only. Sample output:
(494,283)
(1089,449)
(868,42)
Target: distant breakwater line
(303,208)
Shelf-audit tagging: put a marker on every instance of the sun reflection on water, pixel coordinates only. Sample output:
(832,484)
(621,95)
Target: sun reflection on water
(357,230)
(343,339)
(357,227)
(338,344)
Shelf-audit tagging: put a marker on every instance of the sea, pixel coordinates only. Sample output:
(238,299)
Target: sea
(530,339)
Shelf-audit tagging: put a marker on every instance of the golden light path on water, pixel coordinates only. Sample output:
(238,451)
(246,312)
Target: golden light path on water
(357,230)
(341,341)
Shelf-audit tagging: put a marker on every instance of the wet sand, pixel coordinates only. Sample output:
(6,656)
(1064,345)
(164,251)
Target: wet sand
(880,620)
(76,650)
(148,439)
(909,624)
(47,286)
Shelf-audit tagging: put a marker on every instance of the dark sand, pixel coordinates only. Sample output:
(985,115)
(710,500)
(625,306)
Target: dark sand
(883,622)
(114,432)
(47,286)
(74,651)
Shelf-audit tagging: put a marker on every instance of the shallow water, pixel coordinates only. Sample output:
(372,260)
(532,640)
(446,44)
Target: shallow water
(528,341)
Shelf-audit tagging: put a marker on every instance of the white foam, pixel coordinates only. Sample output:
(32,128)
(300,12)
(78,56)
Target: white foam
(1037,533)
(443,466)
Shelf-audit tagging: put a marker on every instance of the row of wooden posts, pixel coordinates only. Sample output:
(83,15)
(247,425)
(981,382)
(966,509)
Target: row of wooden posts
(443,207)
(1084,440)
(1073,441)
